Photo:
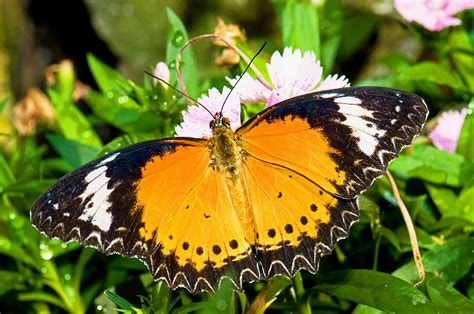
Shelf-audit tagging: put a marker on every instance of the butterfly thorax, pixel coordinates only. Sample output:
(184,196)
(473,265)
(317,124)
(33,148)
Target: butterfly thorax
(226,151)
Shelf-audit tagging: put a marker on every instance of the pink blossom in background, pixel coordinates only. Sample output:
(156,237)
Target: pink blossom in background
(292,74)
(433,15)
(161,70)
(446,133)
(197,119)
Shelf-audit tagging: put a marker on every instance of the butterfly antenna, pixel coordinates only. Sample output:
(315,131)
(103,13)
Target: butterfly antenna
(245,71)
(180,92)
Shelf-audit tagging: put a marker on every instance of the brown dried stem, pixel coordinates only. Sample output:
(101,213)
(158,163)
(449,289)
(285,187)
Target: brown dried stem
(411,230)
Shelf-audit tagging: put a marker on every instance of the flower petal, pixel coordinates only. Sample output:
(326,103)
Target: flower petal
(433,15)
(446,133)
(196,119)
(249,90)
(333,82)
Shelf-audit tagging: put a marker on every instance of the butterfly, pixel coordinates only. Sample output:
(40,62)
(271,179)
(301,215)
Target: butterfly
(271,198)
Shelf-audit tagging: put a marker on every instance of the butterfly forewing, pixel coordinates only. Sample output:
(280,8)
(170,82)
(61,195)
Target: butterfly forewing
(340,139)
(159,201)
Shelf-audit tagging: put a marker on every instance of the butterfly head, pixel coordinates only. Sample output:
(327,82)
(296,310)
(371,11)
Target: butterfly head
(219,120)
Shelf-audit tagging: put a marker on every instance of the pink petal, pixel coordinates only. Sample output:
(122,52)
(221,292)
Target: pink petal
(333,82)
(433,15)
(196,119)
(284,93)
(161,70)
(446,133)
(249,90)
(293,70)
(456,6)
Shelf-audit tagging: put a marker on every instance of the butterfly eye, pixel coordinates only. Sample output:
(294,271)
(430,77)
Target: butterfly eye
(211,124)
(226,122)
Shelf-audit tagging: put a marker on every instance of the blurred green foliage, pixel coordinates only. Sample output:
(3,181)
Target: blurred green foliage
(43,275)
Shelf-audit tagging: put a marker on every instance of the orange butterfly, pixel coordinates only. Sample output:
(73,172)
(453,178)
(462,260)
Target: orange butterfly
(270,198)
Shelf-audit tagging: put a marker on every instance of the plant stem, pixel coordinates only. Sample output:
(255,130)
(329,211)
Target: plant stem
(411,230)
(303,307)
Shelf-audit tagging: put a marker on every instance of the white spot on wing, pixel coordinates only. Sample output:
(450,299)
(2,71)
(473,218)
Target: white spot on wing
(330,95)
(350,100)
(108,159)
(98,192)
(397,108)
(356,118)
(56,206)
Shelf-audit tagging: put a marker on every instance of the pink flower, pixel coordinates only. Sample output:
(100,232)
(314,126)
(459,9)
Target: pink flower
(433,15)
(197,119)
(292,74)
(447,130)
(161,70)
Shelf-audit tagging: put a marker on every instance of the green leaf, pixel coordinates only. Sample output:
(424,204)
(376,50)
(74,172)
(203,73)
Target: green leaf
(378,290)
(9,280)
(107,78)
(35,186)
(300,26)
(331,33)
(74,152)
(451,261)
(432,165)
(390,236)
(465,203)
(443,294)
(356,31)
(127,115)
(397,62)
(433,72)
(118,300)
(3,102)
(177,37)
(460,42)
(43,297)
(443,198)
(465,146)
(160,298)
(72,123)
(14,250)
(194,307)
(6,175)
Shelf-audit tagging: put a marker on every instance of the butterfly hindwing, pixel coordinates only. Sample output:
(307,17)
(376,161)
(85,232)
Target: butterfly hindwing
(159,201)
(340,139)
(296,221)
